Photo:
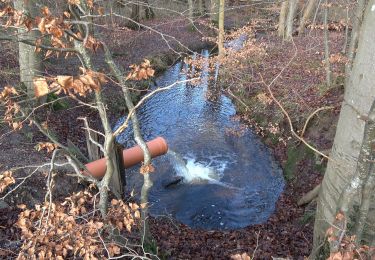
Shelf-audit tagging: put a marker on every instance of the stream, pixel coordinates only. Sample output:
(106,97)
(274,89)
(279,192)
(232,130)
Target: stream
(228,181)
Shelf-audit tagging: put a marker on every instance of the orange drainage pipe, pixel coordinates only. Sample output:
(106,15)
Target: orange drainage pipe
(131,157)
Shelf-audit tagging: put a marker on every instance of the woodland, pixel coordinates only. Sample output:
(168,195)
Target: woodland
(187,129)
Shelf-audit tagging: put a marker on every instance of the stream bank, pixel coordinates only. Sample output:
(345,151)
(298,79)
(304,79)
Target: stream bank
(301,90)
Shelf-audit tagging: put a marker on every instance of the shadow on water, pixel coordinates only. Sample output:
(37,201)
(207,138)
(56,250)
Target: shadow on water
(227,182)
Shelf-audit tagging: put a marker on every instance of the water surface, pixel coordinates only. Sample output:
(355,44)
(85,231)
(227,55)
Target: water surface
(229,181)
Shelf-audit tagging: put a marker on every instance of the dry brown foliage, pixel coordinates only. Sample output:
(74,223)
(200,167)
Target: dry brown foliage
(72,229)
(6,179)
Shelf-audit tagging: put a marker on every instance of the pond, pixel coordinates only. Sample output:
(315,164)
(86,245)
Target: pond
(230,181)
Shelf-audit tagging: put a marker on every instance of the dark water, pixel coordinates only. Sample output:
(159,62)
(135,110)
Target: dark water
(229,182)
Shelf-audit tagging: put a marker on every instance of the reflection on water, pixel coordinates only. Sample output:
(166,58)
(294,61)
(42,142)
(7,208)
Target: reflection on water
(227,182)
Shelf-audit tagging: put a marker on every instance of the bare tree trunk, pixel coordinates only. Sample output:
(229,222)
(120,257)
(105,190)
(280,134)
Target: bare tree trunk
(30,62)
(202,7)
(290,19)
(135,16)
(149,13)
(282,18)
(359,95)
(147,182)
(357,21)
(221,28)
(306,15)
(214,11)
(346,31)
(191,11)
(327,63)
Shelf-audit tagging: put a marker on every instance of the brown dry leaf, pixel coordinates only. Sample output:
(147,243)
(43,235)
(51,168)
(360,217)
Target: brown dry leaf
(145,169)
(90,3)
(50,147)
(17,125)
(7,92)
(65,81)
(101,10)
(41,22)
(336,256)
(40,87)
(243,256)
(133,206)
(6,179)
(45,11)
(74,2)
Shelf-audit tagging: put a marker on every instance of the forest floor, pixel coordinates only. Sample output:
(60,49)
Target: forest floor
(289,231)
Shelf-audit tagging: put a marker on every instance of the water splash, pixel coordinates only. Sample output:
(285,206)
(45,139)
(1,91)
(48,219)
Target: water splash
(193,172)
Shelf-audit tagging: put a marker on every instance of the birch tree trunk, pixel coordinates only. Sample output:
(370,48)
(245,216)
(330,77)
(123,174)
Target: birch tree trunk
(306,15)
(359,95)
(282,18)
(290,18)
(30,62)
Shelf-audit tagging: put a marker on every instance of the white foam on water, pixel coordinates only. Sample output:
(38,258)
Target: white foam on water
(194,172)
(198,172)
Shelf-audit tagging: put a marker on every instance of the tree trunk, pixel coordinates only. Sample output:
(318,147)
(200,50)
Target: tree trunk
(306,15)
(282,18)
(359,95)
(214,12)
(221,28)
(30,62)
(202,7)
(327,63)
(357,21)
(290,18)
(149,13)
(191,11)
(135,16)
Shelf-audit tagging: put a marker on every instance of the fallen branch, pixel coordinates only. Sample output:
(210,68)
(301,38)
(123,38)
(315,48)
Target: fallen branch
(311,116)
(310,196)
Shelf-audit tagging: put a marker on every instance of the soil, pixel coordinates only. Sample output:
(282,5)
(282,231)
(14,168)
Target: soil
(288,232)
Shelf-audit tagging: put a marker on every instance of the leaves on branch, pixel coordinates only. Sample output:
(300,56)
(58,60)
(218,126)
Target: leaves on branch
(93,44)
(40,87)
(140,72)
(11,107)
(82,85)
(6,179)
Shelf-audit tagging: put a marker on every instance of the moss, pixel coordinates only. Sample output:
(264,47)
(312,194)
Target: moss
(161,62)
(293,157)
